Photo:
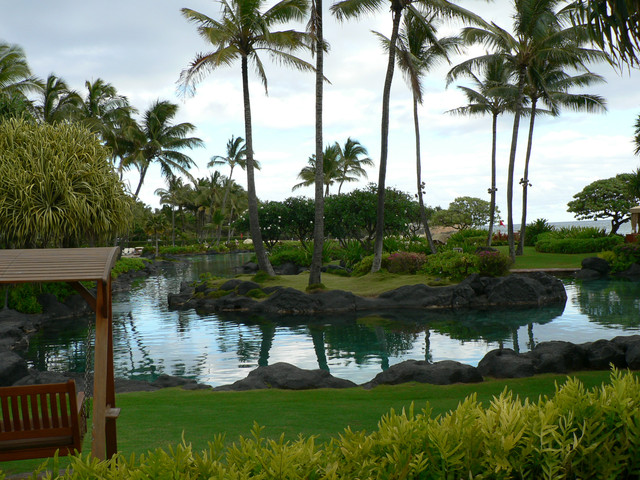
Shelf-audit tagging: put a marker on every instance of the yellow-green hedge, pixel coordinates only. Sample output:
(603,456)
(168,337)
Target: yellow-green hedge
(577,433)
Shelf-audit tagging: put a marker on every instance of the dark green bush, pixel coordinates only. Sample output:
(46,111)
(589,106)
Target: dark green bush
(623,256)
(352,253)
(404,262)
(468,239)
(450,264)
(128,264)
(576,245)
(536,228)
(493,264)
(285,254)
(364,266)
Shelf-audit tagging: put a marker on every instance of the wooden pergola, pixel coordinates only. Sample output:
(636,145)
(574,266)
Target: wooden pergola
(75,265)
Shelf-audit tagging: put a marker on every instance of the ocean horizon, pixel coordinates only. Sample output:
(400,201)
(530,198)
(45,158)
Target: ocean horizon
(624,229)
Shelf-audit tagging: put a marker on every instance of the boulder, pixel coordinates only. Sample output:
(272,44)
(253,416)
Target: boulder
(440,373)
(558,357)
(631,273)
(12,368)
(287,268)
(505,363)
(246,286)
(631,347)
(230,284)
(587,274)
(286,376)
(597,264)
(601,354)
(168,381)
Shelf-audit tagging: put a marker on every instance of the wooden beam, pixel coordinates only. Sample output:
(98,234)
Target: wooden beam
(110,419)
(84,293)
(98,446)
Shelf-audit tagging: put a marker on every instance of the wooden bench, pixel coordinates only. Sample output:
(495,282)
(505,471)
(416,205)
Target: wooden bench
(38,420)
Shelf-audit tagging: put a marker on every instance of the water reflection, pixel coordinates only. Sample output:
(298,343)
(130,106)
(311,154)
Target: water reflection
(610,303)
(150,340)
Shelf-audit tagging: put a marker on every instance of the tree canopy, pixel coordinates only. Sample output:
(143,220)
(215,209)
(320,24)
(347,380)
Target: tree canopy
(603,199)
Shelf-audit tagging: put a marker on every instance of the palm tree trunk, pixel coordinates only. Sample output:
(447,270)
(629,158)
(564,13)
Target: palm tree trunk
(224,204)
(173,227)
(525,181)
(143,173)
(493,190)
(396,9)
(254,224)
(315,275)
(423,215)
(512,162)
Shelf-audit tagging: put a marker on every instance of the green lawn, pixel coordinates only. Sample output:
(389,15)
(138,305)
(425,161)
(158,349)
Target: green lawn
(157,419)
(533,259)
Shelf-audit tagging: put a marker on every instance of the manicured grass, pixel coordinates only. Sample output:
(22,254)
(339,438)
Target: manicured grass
(158,419)
(533,259)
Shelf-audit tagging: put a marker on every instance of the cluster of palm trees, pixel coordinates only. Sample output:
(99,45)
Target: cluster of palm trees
(154,138)
(340,164)
(536,65)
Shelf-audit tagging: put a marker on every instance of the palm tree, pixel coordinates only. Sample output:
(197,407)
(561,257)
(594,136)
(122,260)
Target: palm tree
(58,103)
(170,196)
(491,96)
(551,87)
(315,28)
(241,34)
(418,51)
(331,166)
(613,25)
(539,35)
(236,155)
(636,139)
(350,165)
(16,80)
(353,8)
(158,140)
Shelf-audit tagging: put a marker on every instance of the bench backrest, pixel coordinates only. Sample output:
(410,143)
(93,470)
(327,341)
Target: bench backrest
(38,420)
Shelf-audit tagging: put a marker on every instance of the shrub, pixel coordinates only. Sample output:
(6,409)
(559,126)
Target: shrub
(405,262)
(468,240)
(493,264)
(454,265)
(364,266)
(576,245)
(284,254)
(125,265)
(575,433)
(352,253)
(536,228)
(623,256)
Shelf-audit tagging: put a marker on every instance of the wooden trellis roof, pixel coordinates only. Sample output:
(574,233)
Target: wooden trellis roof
(57,264)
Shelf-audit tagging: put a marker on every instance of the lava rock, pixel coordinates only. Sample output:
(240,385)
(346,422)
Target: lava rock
(440,373)
(12,368)
(286,376)
(598,264)
(558,357)
(505,363)
(601,354)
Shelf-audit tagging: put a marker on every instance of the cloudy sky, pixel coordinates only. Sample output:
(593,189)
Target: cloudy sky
(141,46)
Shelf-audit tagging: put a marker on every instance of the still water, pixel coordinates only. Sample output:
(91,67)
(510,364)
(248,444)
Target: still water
(219,349)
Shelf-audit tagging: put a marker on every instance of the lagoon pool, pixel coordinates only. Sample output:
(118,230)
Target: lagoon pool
(150,339)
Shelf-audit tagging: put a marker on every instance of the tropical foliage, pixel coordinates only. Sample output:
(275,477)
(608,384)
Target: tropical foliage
(57,188)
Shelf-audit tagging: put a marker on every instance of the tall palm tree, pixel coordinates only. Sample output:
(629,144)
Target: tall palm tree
(316,29)
(236,155)
(540,34)
(331,166)
(491,96)
(57,102)
(550,87)
(350,164)
(636,139)
(419,50)
(354,8)
(159,141)
(170,196)
(242,32)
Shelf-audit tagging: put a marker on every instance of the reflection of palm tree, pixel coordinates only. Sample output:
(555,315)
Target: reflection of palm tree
(532,342)
(317,335)
(427,345)
(268,332)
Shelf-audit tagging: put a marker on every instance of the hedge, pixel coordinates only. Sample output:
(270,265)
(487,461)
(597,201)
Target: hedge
(576,433)
(577,245)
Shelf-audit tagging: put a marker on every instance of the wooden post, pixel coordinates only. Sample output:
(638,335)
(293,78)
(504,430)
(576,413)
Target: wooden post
(111,432)
(98,447)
